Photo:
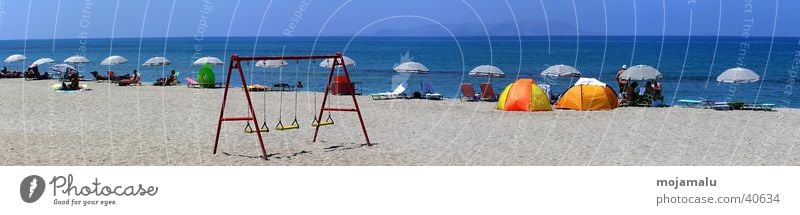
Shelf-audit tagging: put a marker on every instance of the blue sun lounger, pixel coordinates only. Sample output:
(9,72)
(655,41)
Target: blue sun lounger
(691,103)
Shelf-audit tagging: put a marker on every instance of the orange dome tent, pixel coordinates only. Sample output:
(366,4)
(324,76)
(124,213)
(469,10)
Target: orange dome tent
(523,95)
(588,94)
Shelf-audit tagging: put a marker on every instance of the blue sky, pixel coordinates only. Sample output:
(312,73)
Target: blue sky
(62,19)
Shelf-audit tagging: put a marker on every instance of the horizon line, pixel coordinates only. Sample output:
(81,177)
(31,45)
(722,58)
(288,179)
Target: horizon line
(406,36)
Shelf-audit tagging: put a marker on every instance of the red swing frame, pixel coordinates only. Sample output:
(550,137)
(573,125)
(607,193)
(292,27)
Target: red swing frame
(235,63)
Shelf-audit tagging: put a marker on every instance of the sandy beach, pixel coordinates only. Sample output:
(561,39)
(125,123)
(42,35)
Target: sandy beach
(150,125)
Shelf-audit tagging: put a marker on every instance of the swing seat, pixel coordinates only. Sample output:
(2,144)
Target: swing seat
(289,127)
(321,124)
(250,131)
(281,127)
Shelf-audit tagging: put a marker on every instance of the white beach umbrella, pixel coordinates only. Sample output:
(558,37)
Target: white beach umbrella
(589,81)
(271,63)
(411,67)
(738,75)
(487,71)
(328,63)
(113,60)
(41,61)
(208,60)
(156,61)
(77,59)
(62,70)
(641,73)
(561,70)
(15,58)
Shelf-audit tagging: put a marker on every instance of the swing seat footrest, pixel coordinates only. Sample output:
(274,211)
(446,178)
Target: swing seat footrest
(238,118)
(340,109)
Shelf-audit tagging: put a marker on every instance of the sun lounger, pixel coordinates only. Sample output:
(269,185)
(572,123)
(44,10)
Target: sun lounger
(468,93)
(428,91)
(764,107)
(397,93)
(722,106)
(191,83)
(98,77)
(487,92)
(691,103)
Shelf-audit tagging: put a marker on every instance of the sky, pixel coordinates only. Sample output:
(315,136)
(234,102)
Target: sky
(47,19)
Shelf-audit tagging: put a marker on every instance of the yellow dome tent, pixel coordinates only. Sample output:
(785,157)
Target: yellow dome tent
(523,95)
(588,94)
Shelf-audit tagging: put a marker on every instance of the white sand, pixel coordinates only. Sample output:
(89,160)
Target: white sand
(150,125)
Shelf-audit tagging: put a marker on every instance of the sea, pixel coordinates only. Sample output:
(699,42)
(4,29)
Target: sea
(689,65)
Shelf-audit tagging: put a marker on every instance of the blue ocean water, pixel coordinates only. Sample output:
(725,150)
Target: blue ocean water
(689,64)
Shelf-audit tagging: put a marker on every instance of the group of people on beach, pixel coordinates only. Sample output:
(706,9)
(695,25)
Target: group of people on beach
(634,94)
(135,79)
(5,73)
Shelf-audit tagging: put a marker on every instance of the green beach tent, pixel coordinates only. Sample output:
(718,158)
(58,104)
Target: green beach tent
(206,76)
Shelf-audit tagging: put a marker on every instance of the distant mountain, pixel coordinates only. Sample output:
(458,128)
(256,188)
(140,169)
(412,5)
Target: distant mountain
(475,29)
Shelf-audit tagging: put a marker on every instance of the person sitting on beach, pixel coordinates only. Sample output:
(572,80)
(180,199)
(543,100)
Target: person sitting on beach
(33,73)
(171,80)
(630,91)
(299,84)
(135,79)
(622,82)
(74,82)
(656,90)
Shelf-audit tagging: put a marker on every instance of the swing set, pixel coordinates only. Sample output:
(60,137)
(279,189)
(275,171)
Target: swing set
(235,63)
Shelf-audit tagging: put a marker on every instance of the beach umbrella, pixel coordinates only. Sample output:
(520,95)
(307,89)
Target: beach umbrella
(738,75)
(641,73)
(328,63)
(561,70)
(411,67)
(271,64)
(113,60)
(156,61)
(77,59)
(208,60)
(15,58)
(41,61)
(487,71)
(62,70)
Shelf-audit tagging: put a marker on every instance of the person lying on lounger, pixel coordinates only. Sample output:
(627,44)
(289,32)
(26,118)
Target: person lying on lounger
(169,81)
(4,73)
(135,79)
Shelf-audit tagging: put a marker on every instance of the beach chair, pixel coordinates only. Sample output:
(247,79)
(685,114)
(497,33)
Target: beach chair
(191,83)
(397,93)
(98,77)
(487,92)
(722,106)
(757,106)
(113,77)
(689,103)
(468,93)
(428,91)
